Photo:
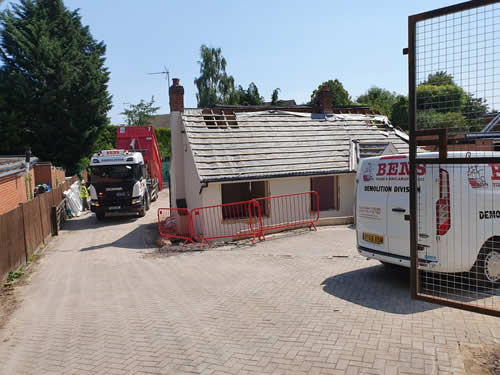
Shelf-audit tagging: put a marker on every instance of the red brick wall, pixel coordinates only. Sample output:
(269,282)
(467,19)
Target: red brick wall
(13,191)
(45,173)
(176,93)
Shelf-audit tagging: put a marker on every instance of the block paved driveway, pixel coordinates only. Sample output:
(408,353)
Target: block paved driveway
(103,301)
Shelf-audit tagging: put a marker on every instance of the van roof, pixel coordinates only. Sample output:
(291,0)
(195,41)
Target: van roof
(435,155)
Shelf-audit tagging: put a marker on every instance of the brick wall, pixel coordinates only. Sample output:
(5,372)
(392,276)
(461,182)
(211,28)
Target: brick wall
(45,173)
(13,190)
(176,93)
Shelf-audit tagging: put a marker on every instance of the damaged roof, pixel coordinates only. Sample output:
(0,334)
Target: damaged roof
(233,146)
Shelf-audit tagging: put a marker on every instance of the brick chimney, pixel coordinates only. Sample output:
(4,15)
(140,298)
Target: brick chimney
(325,100)
(176,93)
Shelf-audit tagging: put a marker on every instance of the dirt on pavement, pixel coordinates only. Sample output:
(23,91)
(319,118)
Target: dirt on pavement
(9,298)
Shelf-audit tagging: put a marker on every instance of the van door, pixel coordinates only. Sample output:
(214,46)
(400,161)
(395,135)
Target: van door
(371,205)
(397,175)
(427,196)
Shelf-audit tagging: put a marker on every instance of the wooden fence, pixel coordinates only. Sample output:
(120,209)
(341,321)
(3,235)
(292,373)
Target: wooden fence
(25,228)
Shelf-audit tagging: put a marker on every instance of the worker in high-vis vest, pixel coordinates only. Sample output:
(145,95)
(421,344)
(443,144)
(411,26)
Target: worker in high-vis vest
(84,194)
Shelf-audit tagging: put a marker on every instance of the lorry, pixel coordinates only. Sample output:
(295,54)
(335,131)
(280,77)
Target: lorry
(458,215)
(128,178)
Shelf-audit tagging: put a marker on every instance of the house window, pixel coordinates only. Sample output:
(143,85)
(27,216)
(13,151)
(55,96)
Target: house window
(242,192)
(328,190)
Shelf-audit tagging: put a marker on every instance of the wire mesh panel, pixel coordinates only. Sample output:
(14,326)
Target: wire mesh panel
(454,96)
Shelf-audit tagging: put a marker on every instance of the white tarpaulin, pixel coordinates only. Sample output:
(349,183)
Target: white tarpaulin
(73,200)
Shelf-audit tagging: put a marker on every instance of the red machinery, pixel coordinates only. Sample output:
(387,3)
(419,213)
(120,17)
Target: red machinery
(143,139)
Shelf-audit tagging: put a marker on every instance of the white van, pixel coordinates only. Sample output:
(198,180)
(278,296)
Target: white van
(458,214)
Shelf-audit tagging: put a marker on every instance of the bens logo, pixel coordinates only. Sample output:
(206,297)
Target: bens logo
(476,177)
(398,169)
(368,172)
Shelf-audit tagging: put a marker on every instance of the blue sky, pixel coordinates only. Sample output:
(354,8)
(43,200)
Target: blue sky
(287,44)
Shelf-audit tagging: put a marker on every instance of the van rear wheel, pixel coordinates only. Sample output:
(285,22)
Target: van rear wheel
(487,267)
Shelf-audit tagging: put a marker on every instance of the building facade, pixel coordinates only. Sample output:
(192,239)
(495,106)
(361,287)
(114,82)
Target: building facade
(232,154)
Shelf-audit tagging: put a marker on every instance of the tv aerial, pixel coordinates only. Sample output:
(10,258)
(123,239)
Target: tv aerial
(166,73)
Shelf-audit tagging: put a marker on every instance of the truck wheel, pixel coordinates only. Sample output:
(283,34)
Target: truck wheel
(148,201)
(100,215)
(142,211)
(487,267)
(154,196)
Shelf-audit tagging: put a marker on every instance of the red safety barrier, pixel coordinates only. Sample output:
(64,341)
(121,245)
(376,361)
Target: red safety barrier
(230,220)
(175,223)
(288,211)
(250,219)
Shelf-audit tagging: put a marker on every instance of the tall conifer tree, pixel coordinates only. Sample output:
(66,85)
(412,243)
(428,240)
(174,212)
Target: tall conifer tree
(53,83)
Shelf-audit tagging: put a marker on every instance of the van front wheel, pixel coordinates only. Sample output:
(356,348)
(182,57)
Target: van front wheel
(487,266)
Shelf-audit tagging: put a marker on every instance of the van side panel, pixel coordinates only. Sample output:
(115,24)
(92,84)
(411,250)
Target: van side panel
(458,210)
(371,206)
(474,211)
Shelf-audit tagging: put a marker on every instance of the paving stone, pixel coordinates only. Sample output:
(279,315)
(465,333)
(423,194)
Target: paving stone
(104,301)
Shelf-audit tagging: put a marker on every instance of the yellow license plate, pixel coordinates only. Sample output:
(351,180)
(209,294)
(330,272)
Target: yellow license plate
(373,238)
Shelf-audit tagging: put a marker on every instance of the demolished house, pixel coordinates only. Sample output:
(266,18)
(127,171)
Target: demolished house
(233,153)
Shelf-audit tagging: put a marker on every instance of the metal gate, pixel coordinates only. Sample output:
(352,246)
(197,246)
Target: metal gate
(454,96)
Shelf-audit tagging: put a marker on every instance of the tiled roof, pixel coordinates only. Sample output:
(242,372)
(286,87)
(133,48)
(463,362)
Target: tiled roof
(266,144)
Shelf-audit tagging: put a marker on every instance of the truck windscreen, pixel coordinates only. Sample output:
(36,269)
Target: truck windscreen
(115,173)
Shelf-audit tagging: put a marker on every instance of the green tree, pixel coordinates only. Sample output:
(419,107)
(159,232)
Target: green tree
(340,96)
(140,114)
(214,85)
(164,139)
(274,96)
(442,103)
(380,100)
(53,83)
(455,121)
(107,139)
(475,111)
(439,79)
(441,98)
(399,113)
(249,96)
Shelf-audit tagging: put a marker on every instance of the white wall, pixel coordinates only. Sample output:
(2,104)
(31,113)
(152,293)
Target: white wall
(347,188)
(177,190)
(280,209)
(210,221)
(280,186)
(192,183)
(212,195)
(293,185)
